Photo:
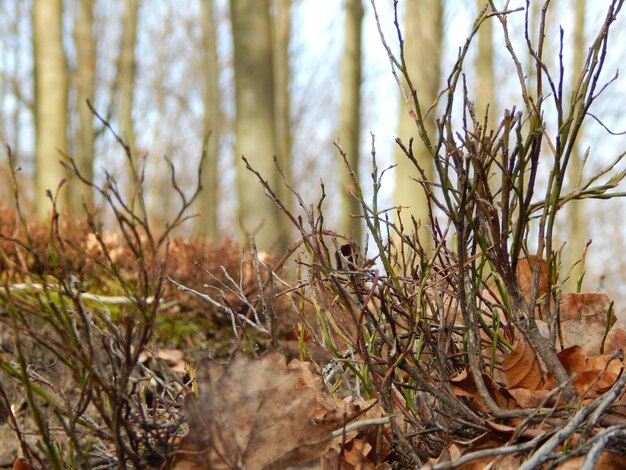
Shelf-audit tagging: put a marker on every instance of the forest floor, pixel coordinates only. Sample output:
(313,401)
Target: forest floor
(117,351)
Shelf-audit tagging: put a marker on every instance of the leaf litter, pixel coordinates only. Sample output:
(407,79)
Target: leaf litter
(264,413)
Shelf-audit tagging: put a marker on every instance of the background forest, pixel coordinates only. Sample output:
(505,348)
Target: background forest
(353,203)
(273,77)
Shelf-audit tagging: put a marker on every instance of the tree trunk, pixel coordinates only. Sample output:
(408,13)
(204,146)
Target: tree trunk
(282,77)
(484,68)
(578,224)
(158,192)
(422,49)
(85,90)
(534,18)
(211,121)
(125,80)
(350,116)
(254,121)
(51,84)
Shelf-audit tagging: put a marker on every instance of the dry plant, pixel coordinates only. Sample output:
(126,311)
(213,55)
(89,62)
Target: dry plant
(471,349)
(468,353)
(80,358)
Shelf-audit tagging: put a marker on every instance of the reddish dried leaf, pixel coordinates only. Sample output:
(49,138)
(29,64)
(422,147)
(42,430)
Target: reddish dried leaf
(463,385)
(256,414)
(356,453)
(363,448)
(526,398)
(22,464)
(507,430)
(573,359)
(353,456)
(616,339)
(521,368)
(600,380)
(453,453)
(505,462)
(601,362)
(500,428)
(607,461)
(524,273)
(501,395)
(592,375)
(449,454)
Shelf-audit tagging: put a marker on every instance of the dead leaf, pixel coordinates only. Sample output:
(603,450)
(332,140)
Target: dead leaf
(584,320)
(362,449)
(356,454)
(607,461)
(256,414)
(505,462)
(527,399)
(449,454)
(573,359)
(506,430)
(22,464)
(453,452)
(594,375)
(463,385)
(616,339)
(521,368)
(524,273)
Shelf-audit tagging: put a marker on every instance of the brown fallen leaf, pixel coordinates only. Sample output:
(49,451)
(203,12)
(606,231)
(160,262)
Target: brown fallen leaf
(511,427)
(256,414)
(573,359)
(490,298)
(333,460)
(528,399)
(504,462)
(584,320)
(521,367)
(607,368)
(22,464)
(453,452)
(463,385)
(449,454)
(607,461)
(356,453)
(524,273)
(616,339)
(593,375)
(359,450)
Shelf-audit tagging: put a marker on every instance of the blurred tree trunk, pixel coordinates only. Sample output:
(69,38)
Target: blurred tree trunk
(85,90)
(282,78)
(5,173)
(577,230)
(254,121)
(423,30)
(534,18)
(125,79)
(5,176)
(158,189)
(211,121)
(485,98)
(51,85)
(484,68)
(15,50)
(350,116)
(15,30)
